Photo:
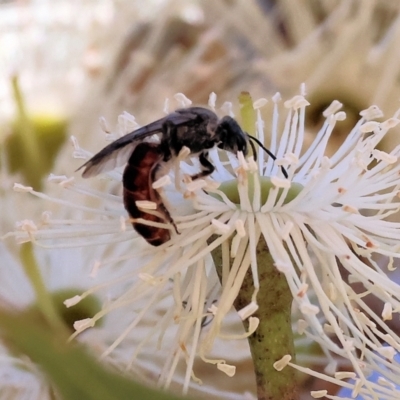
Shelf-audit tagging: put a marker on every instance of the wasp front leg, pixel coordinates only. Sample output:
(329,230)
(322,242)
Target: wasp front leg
(206,167)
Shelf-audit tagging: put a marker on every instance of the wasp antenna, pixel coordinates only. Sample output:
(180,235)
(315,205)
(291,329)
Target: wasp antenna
(272,155)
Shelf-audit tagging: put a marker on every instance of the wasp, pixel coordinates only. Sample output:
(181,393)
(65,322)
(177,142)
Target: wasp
(197,128)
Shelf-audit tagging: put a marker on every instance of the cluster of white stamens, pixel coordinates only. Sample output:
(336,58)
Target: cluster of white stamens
(337,214)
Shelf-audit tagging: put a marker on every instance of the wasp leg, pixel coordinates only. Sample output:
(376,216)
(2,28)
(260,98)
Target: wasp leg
(168,216)
(206,167)
(160,205)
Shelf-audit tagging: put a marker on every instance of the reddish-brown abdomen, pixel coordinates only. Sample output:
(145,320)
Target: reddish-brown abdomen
(137,183)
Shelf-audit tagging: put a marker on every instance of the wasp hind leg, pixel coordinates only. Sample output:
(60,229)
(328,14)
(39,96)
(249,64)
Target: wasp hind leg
(168,217)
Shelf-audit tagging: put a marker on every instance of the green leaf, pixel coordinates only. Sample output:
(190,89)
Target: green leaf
(69,367)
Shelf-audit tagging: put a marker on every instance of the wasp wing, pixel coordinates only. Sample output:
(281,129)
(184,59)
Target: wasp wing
(118,152)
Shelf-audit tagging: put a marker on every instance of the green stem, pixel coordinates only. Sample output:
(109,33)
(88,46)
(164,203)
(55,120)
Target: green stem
(43,298)
(274,337)
(30,151)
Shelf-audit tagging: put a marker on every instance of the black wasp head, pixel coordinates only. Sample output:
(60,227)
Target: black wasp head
(231,136)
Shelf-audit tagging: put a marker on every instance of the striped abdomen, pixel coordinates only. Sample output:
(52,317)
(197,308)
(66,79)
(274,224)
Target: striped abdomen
(138,177)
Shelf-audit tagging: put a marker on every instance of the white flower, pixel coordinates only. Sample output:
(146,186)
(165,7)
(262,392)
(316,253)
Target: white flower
(326,215)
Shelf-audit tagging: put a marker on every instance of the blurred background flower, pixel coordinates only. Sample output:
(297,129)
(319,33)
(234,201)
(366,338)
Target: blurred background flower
(78,61)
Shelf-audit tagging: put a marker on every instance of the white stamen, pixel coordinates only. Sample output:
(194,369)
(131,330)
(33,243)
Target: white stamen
(226,108)
(83,324)
(146,205)
(332,292)
(283,267)
(281,183)
(345,375)
(75,144)
(350,209)
(390,123)
(317,394)
(213,309)
(198,184)
(56,178)
(242,162)
(302,290)
(283,362)
(302,325)
(340,116)
(67,182)
(181,98)
(348,345)
(276,98)
(95,269)
(212,185)
(391,341)
(220,227)
(253,167)
(122,223)
(21,188)
(212,100)
(309,309)
(381,155)
(387,312)
(357,388)
(253,324)
(229,370)
(387,351)
(72,301)
(103,125)
(150,279)
(329,328)
(161,182)
(372,112)
(291,158)
(369,126)
(296,102)
(239,226)
(46,217)
(287,228)
(166,106)
(248,310)
(259,103)
(27,225)
(384,382)
(332,108)
(184,153)
(331,368)
(365,320)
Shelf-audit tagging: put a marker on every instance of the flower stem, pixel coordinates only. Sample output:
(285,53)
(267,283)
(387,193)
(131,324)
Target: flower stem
(43,297)
(273,337)
(29,146)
